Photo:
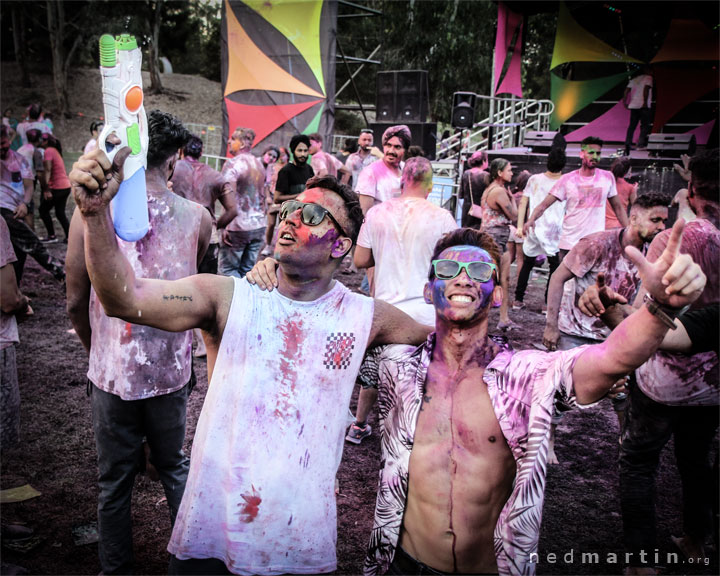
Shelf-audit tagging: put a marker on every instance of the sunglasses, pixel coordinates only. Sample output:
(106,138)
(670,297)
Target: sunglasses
(448,269)
(311,214)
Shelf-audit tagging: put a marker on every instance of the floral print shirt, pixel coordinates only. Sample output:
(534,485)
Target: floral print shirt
(523,387)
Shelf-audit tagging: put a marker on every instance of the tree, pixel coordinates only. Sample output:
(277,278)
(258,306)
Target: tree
(155,21)
(19,42)
(59,30)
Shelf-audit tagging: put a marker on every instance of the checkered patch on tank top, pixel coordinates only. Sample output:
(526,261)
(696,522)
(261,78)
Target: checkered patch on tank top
(338,350)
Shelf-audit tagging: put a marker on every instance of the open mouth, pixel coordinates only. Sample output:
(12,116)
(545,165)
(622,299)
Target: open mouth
(285,238)
(460,298)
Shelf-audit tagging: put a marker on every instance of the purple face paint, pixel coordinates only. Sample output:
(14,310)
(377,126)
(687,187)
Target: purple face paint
(480,292)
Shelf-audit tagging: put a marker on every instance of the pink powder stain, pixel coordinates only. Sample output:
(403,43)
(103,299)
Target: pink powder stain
(249,510)
(293,335)
(126,336)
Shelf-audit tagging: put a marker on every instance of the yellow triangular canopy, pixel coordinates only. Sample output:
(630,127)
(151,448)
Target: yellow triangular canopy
(299,22)
(575,44)
(250,69)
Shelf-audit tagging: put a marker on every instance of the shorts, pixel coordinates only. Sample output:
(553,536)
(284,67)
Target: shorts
(500,234)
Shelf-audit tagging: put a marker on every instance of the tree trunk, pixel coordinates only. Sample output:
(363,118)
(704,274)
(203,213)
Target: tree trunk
(18,26)
(56,27)
(156,86)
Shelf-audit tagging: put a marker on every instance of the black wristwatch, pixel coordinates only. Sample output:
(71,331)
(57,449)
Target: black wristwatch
(665,314)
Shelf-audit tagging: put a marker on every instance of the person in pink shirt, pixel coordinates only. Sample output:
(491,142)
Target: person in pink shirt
(56,188)
(380,181)
(585,192)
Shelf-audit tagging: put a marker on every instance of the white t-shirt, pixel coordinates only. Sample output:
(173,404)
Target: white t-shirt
(325,165)
(637,88)
(585,199)
(8,323)
(260,493)
(544,237)
(402,233)
(379,182)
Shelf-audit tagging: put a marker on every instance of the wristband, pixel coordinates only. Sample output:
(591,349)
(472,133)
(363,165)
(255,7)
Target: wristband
(665,314)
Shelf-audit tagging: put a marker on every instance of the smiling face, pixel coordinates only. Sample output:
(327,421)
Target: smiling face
(394,152)
(461,299)
(300,243)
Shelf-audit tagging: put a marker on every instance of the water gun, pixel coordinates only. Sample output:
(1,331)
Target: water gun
(120,67)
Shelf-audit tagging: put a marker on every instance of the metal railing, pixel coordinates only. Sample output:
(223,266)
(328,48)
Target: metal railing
(209,134)
(504,127)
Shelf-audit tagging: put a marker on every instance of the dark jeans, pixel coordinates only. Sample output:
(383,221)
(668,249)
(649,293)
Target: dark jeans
(58,201)
(120,427)
(644,116)
(648,427)
(25,242)
(524,276)
(403,563)
(209,264)
(193,566)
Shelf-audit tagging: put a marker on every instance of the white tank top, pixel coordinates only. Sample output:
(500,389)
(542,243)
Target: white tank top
(260,493)
(137,362)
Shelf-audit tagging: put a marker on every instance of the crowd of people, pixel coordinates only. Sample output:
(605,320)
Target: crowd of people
(467,424)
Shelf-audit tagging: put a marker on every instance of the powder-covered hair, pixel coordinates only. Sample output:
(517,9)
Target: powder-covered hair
(352,202)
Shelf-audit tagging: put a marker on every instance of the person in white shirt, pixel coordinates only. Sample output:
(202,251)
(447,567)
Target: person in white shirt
(398,238)
(638,99)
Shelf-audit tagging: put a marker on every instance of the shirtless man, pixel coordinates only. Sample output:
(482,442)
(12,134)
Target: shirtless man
(243,176)
(464,454)
(201,183)
(324,164)
(259,497)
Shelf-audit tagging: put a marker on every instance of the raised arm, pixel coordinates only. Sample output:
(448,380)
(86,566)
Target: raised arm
(201,301)
(673,281)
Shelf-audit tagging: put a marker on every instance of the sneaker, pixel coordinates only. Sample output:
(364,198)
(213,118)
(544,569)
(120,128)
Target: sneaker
(518,305)
(357,434)
(49,240)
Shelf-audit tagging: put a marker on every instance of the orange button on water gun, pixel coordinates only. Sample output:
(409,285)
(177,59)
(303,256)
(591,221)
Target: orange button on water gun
(134,99)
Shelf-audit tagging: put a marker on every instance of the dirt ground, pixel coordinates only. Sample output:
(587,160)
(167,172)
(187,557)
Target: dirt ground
(56,456)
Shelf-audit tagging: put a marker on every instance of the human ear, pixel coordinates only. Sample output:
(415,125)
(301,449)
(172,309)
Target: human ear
(427,293)
(497,296)
(341,247)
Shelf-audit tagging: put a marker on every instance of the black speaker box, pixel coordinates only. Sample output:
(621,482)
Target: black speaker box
(423,134)
(671,144)
(539,141)
(463,112)
(402,96)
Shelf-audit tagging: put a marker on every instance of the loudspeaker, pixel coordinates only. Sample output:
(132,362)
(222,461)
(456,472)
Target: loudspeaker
(423,134)
(539,141)
(402,96)
(671,144)
(463,112)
